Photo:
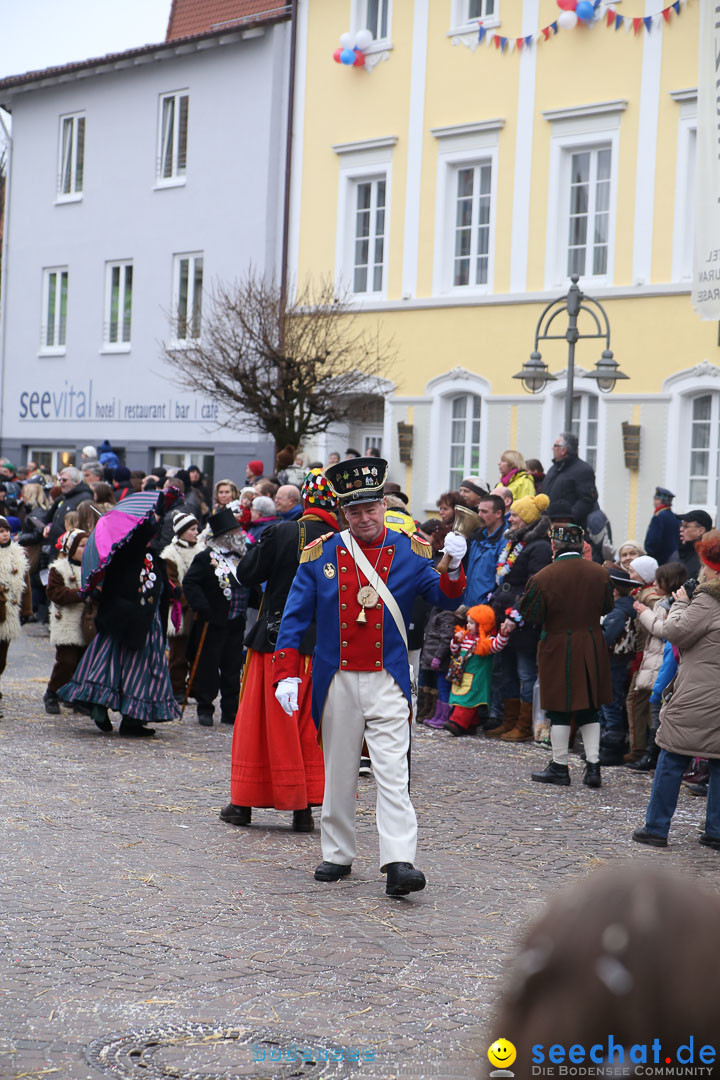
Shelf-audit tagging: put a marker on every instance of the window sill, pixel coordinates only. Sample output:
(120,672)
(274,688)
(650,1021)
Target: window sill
(456,291)
(177,181)
(491,23)
(62,199)
(50,350)
(111,350)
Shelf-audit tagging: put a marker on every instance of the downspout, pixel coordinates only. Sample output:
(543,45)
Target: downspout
(288,172)
(288,165)
(4,273)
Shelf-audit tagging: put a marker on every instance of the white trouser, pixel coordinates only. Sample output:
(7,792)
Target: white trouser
(367,705)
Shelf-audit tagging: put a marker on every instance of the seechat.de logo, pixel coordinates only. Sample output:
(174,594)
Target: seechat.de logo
(502,1054)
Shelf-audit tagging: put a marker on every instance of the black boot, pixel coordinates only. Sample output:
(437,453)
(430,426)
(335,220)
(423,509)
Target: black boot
(132,728)
(205,715)
(236,815)
(303,820)
(51,702)
(331,871)
(649,759)
(100,715)
(553,774)
(591,775)
(403,878)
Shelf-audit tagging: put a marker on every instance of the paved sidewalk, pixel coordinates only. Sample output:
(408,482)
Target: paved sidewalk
(146,938)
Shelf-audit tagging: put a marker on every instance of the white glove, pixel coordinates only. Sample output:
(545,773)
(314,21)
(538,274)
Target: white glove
(286,693)
(455,546)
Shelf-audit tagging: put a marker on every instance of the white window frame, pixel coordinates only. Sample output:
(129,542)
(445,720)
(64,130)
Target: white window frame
(359,21)
(683,387)
(56,461)
(56,347)
(574,130)
(461,146)
(442,391)
(371,160)
(75,193)
(178,176)
(122,345)
(461,22)
(192,258)
(685,173)
(553,422)
(190,457)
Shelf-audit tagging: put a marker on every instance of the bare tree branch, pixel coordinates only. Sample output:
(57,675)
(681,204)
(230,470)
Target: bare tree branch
(295,373)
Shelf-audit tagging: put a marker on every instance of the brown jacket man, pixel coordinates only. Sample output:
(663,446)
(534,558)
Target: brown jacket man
(568,599)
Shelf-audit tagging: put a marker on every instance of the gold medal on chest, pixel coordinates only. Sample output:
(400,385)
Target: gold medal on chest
(329,570)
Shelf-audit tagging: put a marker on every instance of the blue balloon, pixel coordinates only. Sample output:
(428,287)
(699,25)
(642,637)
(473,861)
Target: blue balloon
(585,11)
(347,56)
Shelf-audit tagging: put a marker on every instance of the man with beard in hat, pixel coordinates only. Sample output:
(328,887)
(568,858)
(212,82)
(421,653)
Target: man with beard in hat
(567,600)
(359,586)
(276,760)
(219,602)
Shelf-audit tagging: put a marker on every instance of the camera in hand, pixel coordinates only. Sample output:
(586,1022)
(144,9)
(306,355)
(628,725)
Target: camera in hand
(690,586)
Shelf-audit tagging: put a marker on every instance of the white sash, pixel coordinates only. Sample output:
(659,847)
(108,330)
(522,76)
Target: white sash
(356,553)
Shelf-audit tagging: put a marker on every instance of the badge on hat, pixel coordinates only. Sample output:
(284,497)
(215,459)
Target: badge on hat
(567,534)
(357,481)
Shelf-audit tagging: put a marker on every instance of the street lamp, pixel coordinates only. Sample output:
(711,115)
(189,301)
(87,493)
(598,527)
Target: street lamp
(535,374)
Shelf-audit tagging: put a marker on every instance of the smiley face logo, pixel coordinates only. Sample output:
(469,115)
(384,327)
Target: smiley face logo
(502,1053)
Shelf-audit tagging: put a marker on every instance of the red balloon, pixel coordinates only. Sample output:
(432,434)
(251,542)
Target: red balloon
(359,59)
(567,5)
(336,56)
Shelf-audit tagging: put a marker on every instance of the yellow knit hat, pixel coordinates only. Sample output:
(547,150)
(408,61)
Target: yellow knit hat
(531,507)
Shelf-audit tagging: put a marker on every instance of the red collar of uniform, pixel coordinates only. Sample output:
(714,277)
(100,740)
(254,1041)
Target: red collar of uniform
(316,514)
(662,506)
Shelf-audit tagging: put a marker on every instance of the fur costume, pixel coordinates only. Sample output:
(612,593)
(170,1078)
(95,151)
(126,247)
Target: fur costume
(179,556)
(14,581)
(66,620)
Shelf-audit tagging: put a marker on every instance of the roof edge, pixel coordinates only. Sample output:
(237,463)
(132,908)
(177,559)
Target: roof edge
(28,79)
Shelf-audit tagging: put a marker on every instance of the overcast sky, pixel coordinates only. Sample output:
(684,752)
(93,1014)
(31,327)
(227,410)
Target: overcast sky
(41,33)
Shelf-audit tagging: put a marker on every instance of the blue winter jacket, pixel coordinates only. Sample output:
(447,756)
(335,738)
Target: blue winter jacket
(483,555)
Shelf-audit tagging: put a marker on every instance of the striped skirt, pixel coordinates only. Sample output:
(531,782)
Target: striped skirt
(133,682)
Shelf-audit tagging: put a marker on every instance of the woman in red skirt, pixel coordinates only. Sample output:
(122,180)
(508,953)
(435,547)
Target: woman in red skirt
(276,760)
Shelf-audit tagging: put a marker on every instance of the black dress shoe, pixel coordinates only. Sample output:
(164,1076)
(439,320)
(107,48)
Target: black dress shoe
(236,815)
(205,719)
(553,774)
(642,836)
(100,716)
(591,775)
(696,789)
(331,871)
(303,820)
(455,729)
(130,728)
(403,878)
(52,703)
(709,841)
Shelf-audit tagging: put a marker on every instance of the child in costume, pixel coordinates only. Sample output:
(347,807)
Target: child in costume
(470,672)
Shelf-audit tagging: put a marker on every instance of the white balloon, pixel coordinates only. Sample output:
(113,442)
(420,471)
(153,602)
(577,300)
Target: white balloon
(347,41)
(363,39)
(567,20)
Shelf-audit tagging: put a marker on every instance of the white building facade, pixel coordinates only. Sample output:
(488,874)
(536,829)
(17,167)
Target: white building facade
(136,182)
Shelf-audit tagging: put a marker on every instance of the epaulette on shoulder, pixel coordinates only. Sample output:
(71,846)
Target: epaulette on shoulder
(420,546)
(314,551)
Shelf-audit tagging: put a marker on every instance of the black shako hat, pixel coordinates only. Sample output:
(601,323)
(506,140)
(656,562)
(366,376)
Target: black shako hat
(359,480)
(222,522)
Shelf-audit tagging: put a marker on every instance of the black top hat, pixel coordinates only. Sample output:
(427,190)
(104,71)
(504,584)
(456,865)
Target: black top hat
(359,480)
(222,522)
(567,534)
(621,577)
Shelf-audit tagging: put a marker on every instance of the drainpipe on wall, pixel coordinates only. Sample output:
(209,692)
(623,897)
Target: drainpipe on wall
(288,160)
(4,273)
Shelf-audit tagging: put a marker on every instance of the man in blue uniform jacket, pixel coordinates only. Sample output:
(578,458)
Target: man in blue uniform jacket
(359,586)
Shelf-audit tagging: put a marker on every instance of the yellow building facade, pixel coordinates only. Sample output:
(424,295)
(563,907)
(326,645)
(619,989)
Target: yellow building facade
(452,186)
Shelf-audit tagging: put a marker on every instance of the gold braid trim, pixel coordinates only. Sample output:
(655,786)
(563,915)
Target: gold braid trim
(421,547)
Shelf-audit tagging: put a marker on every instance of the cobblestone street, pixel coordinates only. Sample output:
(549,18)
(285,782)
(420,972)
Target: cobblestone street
(143,937)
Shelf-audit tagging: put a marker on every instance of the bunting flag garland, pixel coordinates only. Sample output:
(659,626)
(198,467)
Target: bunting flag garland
(608,17)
